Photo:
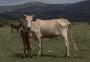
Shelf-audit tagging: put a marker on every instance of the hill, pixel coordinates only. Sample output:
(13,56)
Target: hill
(77,11)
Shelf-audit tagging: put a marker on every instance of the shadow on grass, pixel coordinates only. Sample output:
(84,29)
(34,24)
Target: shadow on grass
(18,55)
(63,57)
(21,55)
(48,55)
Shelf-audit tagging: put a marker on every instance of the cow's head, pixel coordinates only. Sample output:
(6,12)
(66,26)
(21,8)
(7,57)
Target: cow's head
(27,20)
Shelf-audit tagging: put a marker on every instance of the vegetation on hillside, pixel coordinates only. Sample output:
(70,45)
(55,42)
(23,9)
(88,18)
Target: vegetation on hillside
(78,11)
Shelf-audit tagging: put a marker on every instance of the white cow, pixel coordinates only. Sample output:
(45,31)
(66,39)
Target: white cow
(49,29)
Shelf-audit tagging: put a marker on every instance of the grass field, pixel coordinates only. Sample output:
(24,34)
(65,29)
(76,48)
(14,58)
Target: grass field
(11,49)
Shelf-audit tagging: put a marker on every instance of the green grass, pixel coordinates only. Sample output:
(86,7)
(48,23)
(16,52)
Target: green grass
(11,47)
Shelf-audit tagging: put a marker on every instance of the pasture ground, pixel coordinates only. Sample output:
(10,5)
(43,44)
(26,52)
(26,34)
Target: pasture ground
(54,49)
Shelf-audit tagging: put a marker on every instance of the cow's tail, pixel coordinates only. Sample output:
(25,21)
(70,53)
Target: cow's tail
(72,43)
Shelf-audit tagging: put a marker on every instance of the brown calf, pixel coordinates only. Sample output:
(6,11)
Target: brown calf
(26,42)
(15,25)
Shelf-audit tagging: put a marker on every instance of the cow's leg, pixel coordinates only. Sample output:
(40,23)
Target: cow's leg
(38,36)
(65,35)
(39,39)
(39,47)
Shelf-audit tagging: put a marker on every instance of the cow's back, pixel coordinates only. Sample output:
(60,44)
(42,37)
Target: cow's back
(48,28)
(63,22)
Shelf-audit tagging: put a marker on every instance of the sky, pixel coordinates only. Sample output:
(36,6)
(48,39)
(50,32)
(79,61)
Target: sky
(13,2)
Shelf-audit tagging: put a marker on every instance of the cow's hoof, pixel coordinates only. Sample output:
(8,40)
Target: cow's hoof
(66,56)
(25,55)
(30,56)
(39,55)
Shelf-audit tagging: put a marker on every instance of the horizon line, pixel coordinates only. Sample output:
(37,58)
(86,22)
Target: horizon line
(34,1)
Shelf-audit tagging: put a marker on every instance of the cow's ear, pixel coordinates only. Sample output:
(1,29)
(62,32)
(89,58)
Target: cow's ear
(25,15)
(34,19)
(32,16)
(21,19)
